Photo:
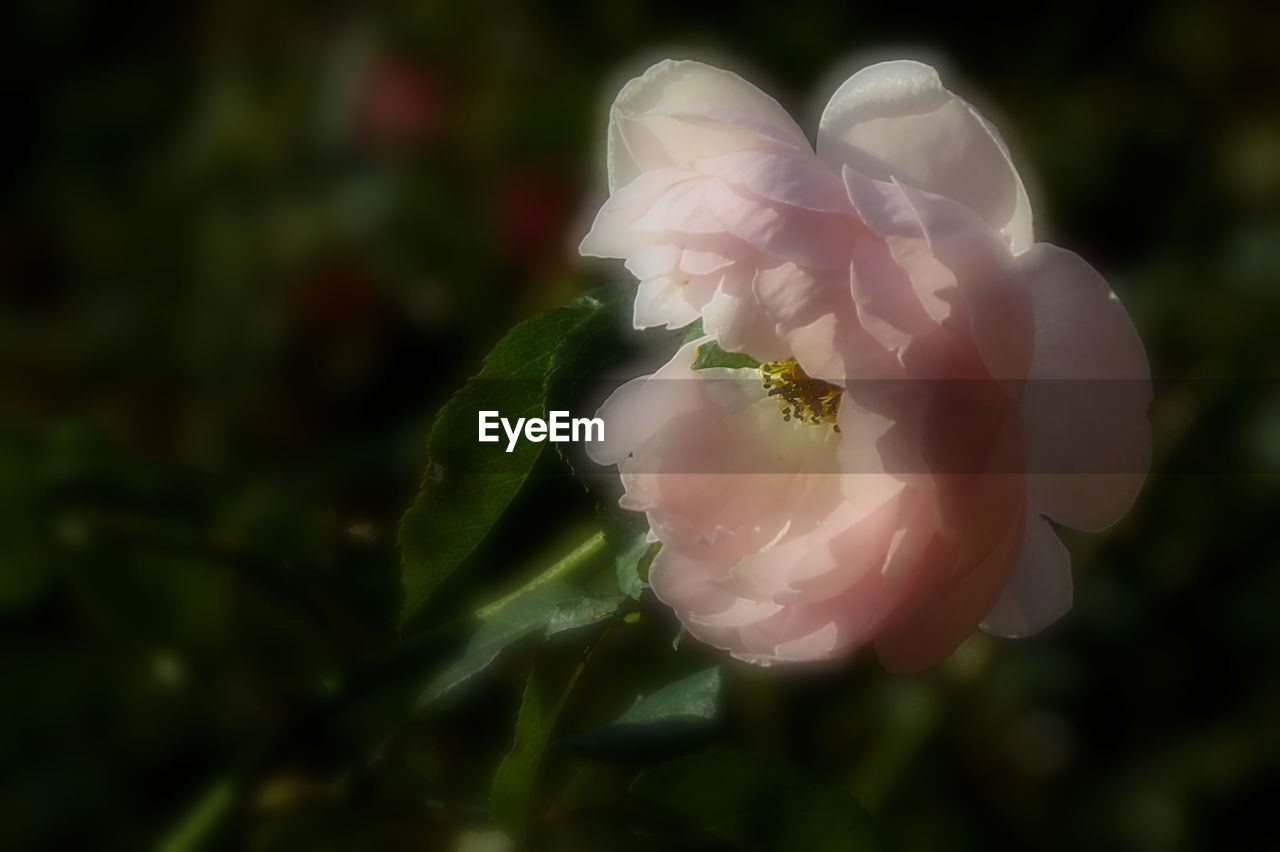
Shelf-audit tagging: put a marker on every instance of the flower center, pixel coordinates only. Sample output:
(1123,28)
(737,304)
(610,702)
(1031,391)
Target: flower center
(811,401)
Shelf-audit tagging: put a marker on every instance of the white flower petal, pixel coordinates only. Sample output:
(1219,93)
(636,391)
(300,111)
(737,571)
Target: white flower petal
(793,178)
(662,301)
(1085,406)
(941,244)
(942,614)
(817,645)
(895,119)
(700,261)
(1038,591)
(682,209)
(739,325)
(613,233)
(653,260)
(644,406)
(680,110)
(738,614)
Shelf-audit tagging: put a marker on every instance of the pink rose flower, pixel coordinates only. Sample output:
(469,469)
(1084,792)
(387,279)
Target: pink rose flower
(934,384)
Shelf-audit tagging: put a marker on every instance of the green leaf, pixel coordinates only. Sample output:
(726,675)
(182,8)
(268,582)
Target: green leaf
(467,484)
(758,805)
(513,783)
(693,332)
(694,697)
(572,562)
(711,355)
(588,609)
(633,566)
(603,327)
(639,551)
(672,719)
(627,535)
(548,608)
(646,561)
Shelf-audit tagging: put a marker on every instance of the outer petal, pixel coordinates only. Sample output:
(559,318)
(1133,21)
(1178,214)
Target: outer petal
(939,619)
(1085,406)
(646,406)
(895,119)
(1038,591)
(680,110)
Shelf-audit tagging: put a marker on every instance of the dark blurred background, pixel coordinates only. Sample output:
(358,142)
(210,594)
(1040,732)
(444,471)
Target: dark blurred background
(248,249)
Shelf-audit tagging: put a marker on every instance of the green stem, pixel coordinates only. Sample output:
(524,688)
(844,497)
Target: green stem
(565,566)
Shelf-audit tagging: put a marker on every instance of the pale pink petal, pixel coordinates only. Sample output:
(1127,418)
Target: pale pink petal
(683,208)
(821,644)
(709,255)
(896,120)
(739,325)
(810,238)
(653,260)
(817,347)
(885,209)
(795,296)
(793,633)
(836,613)
(662,301)
(693,503)
(613,232)
(679,275)
(1038,591)
(645,406)
(739,614)
(938,618)
(962,275)
(825,562)
(793,178)
(708,456)
(678,111)
(886,303)
(881,426)
(1085,405)
(688,585)
(858,614)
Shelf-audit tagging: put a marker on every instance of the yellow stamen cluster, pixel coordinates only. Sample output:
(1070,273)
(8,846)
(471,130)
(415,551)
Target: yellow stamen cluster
(811,401)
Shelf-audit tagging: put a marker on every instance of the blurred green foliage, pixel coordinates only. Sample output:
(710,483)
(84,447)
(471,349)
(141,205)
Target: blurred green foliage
(247,250)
